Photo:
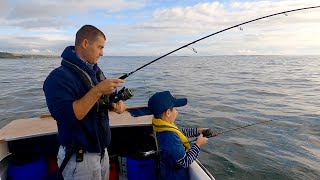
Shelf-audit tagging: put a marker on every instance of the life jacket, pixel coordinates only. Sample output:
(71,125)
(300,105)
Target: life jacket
(102,103)
(100,107)
(161,126)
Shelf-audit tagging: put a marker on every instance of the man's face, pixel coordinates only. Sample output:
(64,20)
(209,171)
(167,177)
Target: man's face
(94,50)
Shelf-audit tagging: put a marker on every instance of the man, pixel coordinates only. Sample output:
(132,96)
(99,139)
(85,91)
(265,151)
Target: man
(77,96)
(174,149)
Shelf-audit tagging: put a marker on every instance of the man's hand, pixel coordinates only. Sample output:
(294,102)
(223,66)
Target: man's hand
(83,105)
(107,86)
(119,107)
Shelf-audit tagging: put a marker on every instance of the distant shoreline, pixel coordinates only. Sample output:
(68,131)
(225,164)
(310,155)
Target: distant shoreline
(6,55)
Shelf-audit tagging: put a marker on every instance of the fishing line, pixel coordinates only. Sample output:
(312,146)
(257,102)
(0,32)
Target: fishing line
(193,49)
(239,26)
(208,133)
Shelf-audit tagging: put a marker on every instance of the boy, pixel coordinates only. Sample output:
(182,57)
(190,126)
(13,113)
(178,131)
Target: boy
(174,149)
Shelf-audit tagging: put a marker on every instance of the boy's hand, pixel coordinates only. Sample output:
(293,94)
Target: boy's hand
(201,140)
(200,130)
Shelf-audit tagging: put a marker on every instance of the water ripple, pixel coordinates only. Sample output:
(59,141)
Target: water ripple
(223,92)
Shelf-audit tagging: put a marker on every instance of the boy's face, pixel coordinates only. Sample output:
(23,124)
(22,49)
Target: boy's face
(172,115)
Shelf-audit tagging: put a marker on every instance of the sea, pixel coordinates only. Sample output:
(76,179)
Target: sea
(223,92)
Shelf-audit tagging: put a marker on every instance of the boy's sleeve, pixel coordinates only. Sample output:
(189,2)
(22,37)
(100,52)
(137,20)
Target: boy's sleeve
(190,132)
(189,156)
(178,153)
(173,146)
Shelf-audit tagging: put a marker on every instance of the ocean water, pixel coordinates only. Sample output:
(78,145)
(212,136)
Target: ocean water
(223,92)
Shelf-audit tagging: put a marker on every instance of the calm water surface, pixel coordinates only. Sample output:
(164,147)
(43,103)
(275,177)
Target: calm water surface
(223,92)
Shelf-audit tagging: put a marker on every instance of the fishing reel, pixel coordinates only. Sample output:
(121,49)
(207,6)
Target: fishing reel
(208,133)
(124,94)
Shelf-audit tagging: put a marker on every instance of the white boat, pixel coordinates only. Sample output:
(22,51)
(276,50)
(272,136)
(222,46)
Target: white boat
(23,139)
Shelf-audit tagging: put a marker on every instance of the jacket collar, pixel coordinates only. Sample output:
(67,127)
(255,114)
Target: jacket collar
(70,55)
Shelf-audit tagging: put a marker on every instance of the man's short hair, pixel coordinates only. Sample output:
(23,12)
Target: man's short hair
(88,32)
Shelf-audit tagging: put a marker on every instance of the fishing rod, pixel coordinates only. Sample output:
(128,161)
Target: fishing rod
(208,133)
(205,37)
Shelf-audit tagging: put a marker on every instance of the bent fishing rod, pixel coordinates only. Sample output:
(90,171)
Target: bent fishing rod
(208,133)
(205,37)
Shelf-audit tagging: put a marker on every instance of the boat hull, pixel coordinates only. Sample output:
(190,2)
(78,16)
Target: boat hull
(131,137)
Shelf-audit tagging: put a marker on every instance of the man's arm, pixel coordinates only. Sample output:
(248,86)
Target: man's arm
(82,106)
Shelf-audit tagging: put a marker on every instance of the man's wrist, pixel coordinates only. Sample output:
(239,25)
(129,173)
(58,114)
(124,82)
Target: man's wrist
(97,90)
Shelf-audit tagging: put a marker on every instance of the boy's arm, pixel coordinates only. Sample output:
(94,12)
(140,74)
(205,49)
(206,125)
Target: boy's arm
(190,132)
(189,156)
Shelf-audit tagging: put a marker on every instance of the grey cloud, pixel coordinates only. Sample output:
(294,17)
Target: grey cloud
(41,22)
(137,35)
(4,8)
(35,10)
(26,44)
(166,31)
(205,17)
(47,13)
(62,8)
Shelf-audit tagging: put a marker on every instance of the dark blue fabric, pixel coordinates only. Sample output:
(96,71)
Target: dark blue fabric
(140,112)
(162,101)
(171,150)
(62,87)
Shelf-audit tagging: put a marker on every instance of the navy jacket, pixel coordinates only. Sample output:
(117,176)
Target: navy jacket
(62,87)
(171,150)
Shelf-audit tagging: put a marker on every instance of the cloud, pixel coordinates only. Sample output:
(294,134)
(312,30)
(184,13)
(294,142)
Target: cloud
(193,22)
(46,13)
(247,52)
(39,23)
(133,28)
(4,8)
(26,44)
(62,8)
(206,16)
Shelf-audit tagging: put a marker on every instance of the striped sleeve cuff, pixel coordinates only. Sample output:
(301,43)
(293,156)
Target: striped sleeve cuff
(189,157)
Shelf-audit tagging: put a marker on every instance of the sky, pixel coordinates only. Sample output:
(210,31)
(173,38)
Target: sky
(154,27)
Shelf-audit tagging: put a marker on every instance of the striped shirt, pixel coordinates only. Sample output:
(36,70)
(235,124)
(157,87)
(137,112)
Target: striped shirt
(190,132)
(193,152)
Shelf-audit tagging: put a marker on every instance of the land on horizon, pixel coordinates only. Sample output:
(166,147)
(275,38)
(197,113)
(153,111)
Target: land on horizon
(7,55)
(16,56)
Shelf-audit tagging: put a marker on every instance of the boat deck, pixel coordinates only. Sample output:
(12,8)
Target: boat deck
(37,137)
(46,125)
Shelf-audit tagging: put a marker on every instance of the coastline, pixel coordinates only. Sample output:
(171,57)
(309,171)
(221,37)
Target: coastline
(6,55)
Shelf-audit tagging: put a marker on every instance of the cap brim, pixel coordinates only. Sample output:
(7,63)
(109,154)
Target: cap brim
(180,102)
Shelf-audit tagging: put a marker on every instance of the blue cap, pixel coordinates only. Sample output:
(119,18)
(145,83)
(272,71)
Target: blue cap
(162,101)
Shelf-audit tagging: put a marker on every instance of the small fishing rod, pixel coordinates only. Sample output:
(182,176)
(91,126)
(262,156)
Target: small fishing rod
(208,133)
(205,37)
